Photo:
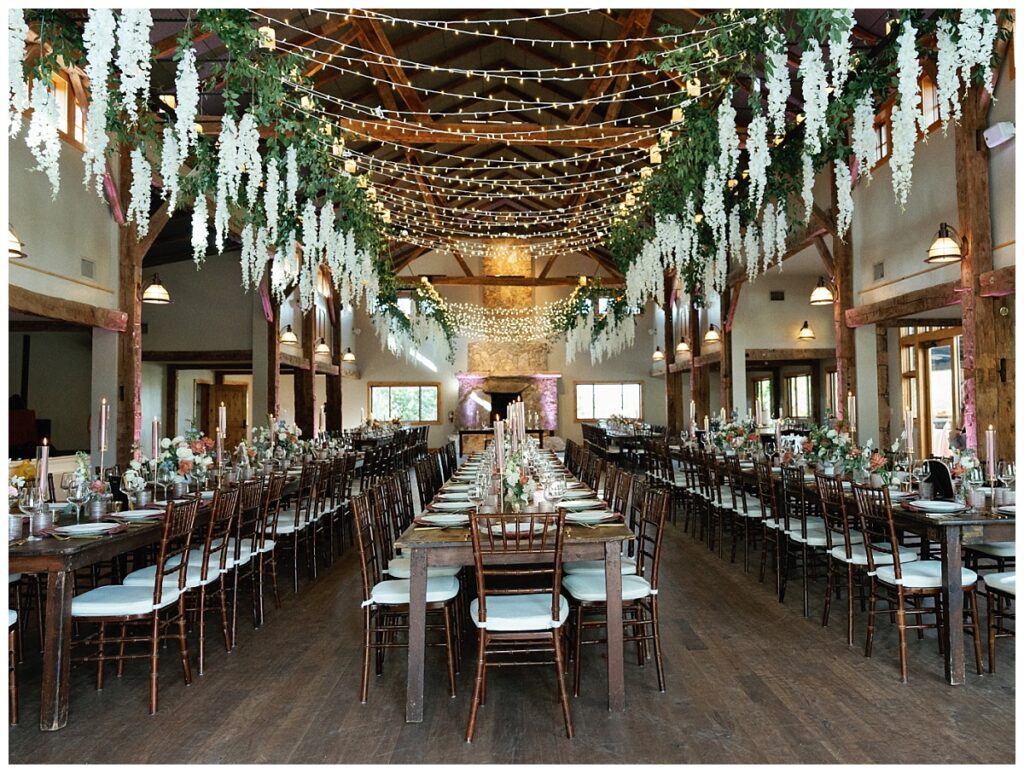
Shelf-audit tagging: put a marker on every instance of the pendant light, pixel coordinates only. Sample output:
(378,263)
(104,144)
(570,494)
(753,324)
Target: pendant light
(822,295)
(682,347)
(288,336)
(322,347)
(805,334)
(15,249)
(712,336)
(658,355)
(945,248)
(155,292)
(348,356)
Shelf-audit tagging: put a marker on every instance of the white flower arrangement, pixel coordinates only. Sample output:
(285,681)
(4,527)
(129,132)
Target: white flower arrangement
(248,256)
(728,138)
(808,182)
(815,96)
(977,30)
(17,35)
(752,250)
(759,160)
(15,485)
(99,36)
(781,232)
(291,178)
(777,80)
(947,82)
(248,158)
(170,163)
(863,134)
(43,137)
(844,198)
(141,192)
(200,230)
(186,89)
(272,196)
(228,179)
(134,57)
(839,51)
(906,114)
(768,233)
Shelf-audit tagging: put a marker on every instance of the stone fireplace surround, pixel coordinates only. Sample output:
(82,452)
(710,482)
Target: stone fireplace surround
(539,392)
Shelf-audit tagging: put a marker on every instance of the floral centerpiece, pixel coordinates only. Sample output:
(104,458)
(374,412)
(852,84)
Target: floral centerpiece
(186,456)
(137,473)
(827,445)
(518,488)
(857,460)
(22,475)
(247,454)
(967,467)
(737,437)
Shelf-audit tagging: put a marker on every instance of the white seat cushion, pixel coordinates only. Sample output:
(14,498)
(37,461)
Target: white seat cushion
(858,554)
(529,612)
(401,569)
(596,566)
(996,549)
(774,523)
(397,591)
(752,512)
(13,578)
(590,587)
(116,600)
(923,574)
(1005,582)
(818,539)
(245,553)
(146,577)
(12,617)
(268,546)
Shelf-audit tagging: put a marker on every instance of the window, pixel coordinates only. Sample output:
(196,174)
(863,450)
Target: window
(415,403)
(832,391)
(929,102)
(932,381)
(763,396)
(798,396)
(600,400)
(883,145)
(71,111)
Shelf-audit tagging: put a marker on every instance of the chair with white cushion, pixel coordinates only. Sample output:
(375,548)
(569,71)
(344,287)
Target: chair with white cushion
(158,606)
(519,608)
(12,673)
(244,550)
(804,531)
(1000,594)
(293,528)
(273,492)
(746,512)
(589,600)
(773,527)
(906,586)
(386,602)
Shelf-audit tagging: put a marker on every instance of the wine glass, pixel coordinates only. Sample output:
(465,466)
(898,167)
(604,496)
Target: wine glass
(1007,473)
(29,500)
(165,480)
(78,495)
(475,494)
(555,490)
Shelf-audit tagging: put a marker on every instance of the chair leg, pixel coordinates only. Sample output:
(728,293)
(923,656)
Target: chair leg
(273,579)
(478,687)
(120,649)
(829,582)
(849,604)
(364,686)
(186,663)
(202,628)
(990,613)
(976,629)
(12,677)
(901,621)
(578,648)
(295,562)
(227,628)
(563,696)
(806,571)
(869,639)
(154,663)
(449,650)
(99,651)
(656,626)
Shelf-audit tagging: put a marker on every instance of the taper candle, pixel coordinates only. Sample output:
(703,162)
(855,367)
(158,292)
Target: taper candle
(154,443)
(42,467)
(990,452)
(103,424)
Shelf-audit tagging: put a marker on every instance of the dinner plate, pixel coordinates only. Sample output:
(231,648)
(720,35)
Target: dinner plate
(139,515)
(519,527)
(1007,509)
(78,529)
(583,504)
(445,519)
(590,516)
(460,496)
(454,507)
(457,487)
(580,493)
(895,493)
(936,506)
(207,494)
(164,502)
(575,484)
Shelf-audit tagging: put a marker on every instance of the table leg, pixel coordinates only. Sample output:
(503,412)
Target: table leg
(953,606)
(53,712)
(613,593)
(417,634)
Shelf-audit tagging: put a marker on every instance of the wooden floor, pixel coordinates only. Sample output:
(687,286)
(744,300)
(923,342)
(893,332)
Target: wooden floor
(749,681)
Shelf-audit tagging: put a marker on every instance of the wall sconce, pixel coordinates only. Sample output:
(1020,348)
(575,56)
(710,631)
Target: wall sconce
(682,347)
(288,336)
(805,334)
(658,355)
(712,336)
(945,248)
(822,295)
(155,292)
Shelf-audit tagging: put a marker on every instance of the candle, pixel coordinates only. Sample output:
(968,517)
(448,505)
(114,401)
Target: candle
(908,426)
(42,467)
(499,445)
(778,437)
(721,416)
(103,424)
(323,417)
(220,447)
(990,452)
(154,443)
(222,418)
(706,424)
(851,412)
(693,413)
(757,411)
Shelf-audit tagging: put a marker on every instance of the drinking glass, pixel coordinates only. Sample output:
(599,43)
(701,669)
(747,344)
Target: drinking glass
(78,495)
(165,479)
(475,494)
(1007,473)
(29,500)
(555,490)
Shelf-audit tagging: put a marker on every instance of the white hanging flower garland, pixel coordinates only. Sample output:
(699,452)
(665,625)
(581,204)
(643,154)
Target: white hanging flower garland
(807,189)
(781,232)
(291,179)
(141,192)
(839,51)
(271,197)
(227,179)
(978,30)
(844,198)
(906,114)
(43,137)
(815,96)
(170,164)
(728,138)
(777,81)
(17,34)
(248,157)
(947,82)
(759,160)
(186,89)
(752,250)
(863,134)
(99,36)
(134,57)
(200,229)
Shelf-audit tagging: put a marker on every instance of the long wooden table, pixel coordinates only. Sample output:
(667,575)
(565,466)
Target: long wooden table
(453,547)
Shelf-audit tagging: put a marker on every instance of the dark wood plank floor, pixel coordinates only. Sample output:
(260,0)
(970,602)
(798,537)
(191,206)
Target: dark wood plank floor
(749,681)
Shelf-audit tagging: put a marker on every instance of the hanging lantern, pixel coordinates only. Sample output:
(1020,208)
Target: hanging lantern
(646,172)
(693,88)
(677,114)
(655,157)
(267,38)
(350,166)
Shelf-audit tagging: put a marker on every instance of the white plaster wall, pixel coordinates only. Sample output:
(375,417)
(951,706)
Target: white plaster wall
(153,399)
(186,400)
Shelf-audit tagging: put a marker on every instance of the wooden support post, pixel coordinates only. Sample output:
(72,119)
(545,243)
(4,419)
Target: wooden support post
(129,343)
(305,379)
(725,364)
(981,346)
(273,364)
(673,379)
(334,383)
(884,404)
(700,383)
(846,354)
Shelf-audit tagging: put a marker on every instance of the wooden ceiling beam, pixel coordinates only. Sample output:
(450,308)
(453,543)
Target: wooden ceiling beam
(509,281)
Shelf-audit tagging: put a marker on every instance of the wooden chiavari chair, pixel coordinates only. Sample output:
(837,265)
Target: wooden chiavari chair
(772,526)
(12,667)
(1000,594)
(746,510)
(802,531)
(905,586)
(272,496)
(244,550)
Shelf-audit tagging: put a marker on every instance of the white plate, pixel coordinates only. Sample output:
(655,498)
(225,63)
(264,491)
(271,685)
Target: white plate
(459,496)
(520,527)
(575,484)
(592,516)
(138,515)
(934,506)
(78,529)
(457,487)
(207,494)
(1007,509)
(580,493)
(164,502)
(583,504)
(453,507)
(445,519)
(895,493)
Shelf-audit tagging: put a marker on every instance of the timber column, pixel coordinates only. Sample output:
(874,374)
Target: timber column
(673,378)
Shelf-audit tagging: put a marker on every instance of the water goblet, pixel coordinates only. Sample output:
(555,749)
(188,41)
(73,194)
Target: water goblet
(555,490)
(1007,473)
(78,495)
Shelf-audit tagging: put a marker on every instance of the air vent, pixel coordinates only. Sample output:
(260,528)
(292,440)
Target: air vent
(777,295)
(878,270)
(88,268)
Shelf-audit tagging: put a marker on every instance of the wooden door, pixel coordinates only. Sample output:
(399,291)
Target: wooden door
(234,397)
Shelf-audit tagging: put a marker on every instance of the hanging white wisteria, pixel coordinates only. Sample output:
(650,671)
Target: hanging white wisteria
(714,201)
(186,89)
(134,57)
(17,34)
(170,164)
(613,339)
(578,338)
(814,88)
(947,82)
(862,135)
(735,236)
(248,254)
(310,240)
(977,30)
(807,184)
(200,229)
(291,178)
(752,250)
(99,37)
(248,157)
(781,233)
(759,160)
(844,198)
(839,50)
(271,197)
(141,192)
(43,137)
(906,114)
(728,138)
(768,233)
(327,237)
(777,81)
(228,174)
